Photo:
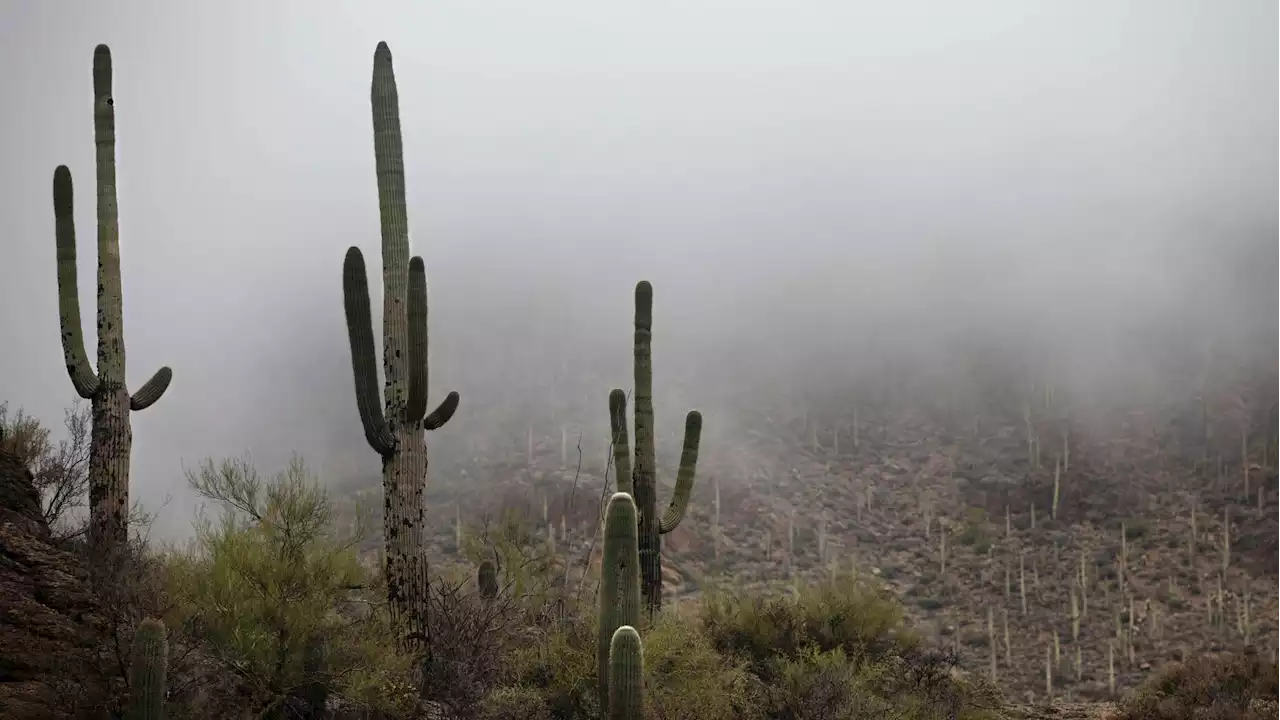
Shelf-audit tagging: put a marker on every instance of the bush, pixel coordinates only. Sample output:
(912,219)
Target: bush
(1241,687)
(269,583)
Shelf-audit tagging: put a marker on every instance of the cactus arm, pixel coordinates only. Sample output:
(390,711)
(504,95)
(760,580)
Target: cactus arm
(626,675)
(83,378)
(684,477)
(416,407)
(355,296)
(621,445)
(442,414)
(148,668)
(151,390)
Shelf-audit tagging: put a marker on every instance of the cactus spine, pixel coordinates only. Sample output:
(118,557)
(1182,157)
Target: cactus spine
(112,435)
(626,675)
(148,666)
(619,585)
(642,481)
(398,434)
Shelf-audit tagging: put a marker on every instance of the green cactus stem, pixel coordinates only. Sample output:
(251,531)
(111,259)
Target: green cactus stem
(626,675)
(643,483)
(112,435)
(487,578)
(148,666)
(394,424)
(619,581)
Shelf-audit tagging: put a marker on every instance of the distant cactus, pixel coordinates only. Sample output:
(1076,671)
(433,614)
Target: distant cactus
(112,436)
(398,434)
(642,481)
(626,675)
(148,666)
(488,580)
(619,582)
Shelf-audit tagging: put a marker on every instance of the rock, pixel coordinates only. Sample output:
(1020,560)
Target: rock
(49,626)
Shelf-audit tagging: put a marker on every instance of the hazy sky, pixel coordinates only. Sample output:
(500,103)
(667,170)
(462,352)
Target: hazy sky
(769,166)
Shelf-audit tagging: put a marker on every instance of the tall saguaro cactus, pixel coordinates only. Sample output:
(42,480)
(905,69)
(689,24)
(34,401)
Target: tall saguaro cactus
(112,435)
(619,583)
(643,475)
(396,433)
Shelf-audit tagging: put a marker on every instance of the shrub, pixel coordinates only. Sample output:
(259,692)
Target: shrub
(1239,686)
(262,585)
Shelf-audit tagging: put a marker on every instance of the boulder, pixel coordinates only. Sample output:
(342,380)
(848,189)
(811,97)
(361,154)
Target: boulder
(49,625)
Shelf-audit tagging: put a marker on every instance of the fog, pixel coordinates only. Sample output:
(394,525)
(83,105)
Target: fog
(812,188)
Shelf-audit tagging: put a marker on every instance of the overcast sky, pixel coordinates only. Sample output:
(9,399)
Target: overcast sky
(770,166)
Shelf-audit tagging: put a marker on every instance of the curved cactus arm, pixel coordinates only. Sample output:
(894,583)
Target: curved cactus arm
(626,675)
(684,477)
(621,445)
(416,406)
(443,413)
(355,297)
(151,390)
(83,378)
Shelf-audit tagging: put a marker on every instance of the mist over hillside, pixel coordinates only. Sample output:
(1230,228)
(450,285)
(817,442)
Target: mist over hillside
(827,198)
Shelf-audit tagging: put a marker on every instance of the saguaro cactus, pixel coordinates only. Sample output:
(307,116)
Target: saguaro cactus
(148,666)
(642,477)
(112,435)
(396,434)
(626,675)
(619,583)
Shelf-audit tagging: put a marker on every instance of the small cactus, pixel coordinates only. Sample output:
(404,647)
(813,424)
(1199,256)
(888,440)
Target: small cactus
(148,666)
(626,675)
(619,582)
(488,580)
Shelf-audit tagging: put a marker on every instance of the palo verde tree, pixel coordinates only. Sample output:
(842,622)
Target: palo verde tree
(112,435)
(641,480)
(396,433)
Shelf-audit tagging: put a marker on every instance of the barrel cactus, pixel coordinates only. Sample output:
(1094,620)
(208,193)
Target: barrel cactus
(619,582)
(148,666)
(396,433)
(112,435)
(641,479)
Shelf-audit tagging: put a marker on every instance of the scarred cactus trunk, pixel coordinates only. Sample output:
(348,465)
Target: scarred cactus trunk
(643,481)
(148,668)
(112,435)
(619,583)
(395,430)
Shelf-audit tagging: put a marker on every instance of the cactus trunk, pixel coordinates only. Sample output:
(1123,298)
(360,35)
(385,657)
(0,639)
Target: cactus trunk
(643,481)
(393,423)
(112,435)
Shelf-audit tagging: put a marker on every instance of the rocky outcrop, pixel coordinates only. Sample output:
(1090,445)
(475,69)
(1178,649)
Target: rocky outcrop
(48,620)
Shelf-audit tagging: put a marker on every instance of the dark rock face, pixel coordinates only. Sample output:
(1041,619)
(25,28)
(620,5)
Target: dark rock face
(49,627)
